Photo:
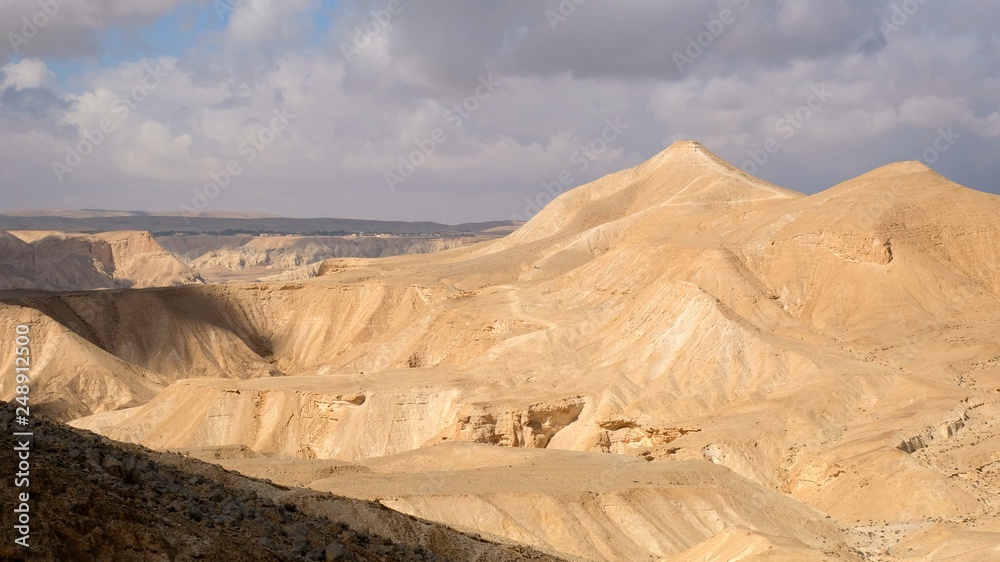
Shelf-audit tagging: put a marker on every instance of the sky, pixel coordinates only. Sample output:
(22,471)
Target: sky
(457,111)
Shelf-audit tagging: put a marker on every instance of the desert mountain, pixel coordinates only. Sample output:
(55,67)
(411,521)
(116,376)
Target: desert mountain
(66,262)
(706,366)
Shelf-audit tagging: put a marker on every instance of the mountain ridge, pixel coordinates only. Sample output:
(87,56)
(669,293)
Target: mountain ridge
(670,313)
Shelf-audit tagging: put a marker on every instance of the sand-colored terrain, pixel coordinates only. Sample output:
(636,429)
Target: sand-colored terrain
(291,258)
(703,365)
(58,261)
(93,500)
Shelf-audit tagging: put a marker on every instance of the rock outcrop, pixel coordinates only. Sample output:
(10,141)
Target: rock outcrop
(57,261)
(91,499)
(249,258)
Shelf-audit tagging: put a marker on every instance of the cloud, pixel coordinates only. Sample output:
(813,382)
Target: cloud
(27,73)
(156,154)
(256,22)
(71,27)
(27,101)
(405,78)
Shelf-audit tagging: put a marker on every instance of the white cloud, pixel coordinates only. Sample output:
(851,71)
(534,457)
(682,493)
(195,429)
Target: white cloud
(355,118)
(255,22)
(155,154)
(27,73)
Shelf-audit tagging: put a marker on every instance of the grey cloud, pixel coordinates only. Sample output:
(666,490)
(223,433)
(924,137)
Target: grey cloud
(38,109)
(70,28)
(607,60)
(629,39)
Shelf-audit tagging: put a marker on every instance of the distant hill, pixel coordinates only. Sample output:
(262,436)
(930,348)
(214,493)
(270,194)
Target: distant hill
(98,213)
(92,221)
(57,261)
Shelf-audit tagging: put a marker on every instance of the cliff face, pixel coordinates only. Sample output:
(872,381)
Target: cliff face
(95,500)
(68,262)
(250,258)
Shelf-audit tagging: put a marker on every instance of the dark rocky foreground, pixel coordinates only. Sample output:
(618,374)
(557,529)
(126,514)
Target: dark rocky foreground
(95,499)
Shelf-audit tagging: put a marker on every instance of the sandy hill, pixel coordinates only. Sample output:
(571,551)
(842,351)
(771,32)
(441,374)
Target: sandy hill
(95,500)
(65,262)
(828,360)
